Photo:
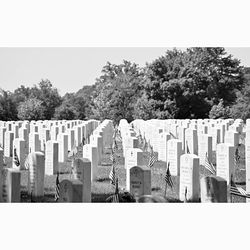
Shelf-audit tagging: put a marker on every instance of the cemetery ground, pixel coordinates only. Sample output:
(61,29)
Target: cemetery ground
(101,188)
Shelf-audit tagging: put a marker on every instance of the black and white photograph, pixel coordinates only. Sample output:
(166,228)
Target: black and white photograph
(124,124)
(172,129)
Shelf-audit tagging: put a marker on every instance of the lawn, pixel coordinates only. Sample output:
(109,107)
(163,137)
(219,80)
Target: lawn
(102,189)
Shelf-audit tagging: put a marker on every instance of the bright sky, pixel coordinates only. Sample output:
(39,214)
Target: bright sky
(69,69)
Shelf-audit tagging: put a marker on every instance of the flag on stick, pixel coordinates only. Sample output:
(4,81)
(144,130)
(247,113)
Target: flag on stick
(26,163)
(172,135)
(209,165)
(152,158)
(115,197)
(236,157)
(168,179)
(16,159)
(112,175)
(57,195)
(238,191)
(188,151)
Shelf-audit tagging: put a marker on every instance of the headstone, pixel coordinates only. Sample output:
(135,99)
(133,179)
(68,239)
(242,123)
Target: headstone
(190,177)
(70,191)
(82,172)
(90,152)
(174,151)
(134,157)
(140,181)
(213,189)
(51,158)
(36,161)
(10,185)
(8,144)
(225,161)
(63,146)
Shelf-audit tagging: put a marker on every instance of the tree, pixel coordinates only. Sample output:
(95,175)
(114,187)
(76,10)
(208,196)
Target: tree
(31,109)
(187,84)
(49,97)
(8,110)
(116,91)
(220,111)
(66,112)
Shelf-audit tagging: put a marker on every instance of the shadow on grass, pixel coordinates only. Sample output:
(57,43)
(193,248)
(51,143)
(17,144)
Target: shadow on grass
(99,198)
(105,179)
(155,189)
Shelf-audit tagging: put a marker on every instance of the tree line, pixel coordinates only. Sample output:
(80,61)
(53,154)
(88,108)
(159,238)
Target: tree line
(195,83)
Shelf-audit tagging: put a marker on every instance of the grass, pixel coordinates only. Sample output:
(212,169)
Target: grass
(101,188)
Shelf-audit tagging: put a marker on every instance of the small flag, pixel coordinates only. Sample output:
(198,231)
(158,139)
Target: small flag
(26,163)
(16,159)
(238,191)
(112,157)
(145,144)
(115,197)
(57,195)
(115,146)
(172,135)
(168,178)
(83,140)
(209,165)
(112,175)
(152,158)
(188,151)
(236,156)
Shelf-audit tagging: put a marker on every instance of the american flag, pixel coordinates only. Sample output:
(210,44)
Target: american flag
(26,163)
(145,144)
(188,151)
(173,135)
(83,140)
(57,195)
(236,156)
(238,191)
(152,158)
(115,146)
(140,140)
(112,156)
(115,196)
(209,165)
(112,175)
(167,178)
(16,159)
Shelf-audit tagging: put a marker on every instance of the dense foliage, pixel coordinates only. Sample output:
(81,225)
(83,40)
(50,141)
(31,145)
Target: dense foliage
(195,83)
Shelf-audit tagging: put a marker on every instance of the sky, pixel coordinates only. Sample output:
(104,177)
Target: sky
(69,69)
